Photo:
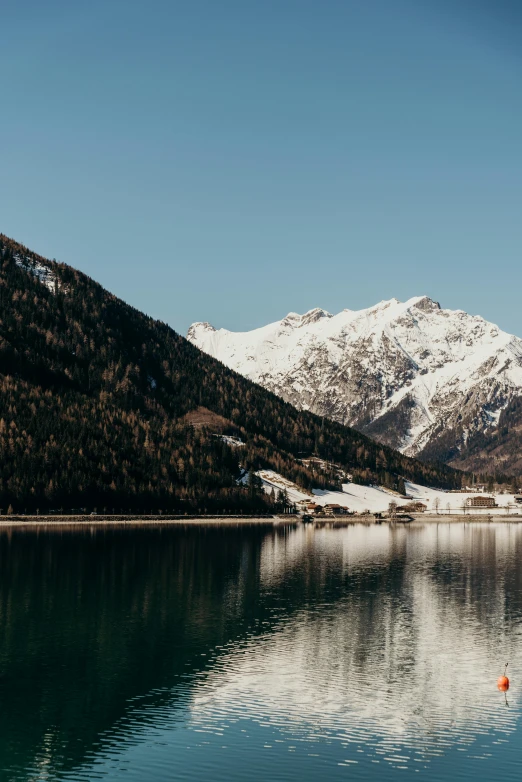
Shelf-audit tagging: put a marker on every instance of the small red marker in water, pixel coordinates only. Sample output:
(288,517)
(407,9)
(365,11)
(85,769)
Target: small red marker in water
(503,681)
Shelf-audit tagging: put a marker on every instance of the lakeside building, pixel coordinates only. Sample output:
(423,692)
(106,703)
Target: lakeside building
(333,509)
(481,501)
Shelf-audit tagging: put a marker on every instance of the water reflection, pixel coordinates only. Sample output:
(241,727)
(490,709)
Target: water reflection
(287,652)
(407,655)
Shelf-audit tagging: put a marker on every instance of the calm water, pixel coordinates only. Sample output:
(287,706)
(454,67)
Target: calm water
(260,653)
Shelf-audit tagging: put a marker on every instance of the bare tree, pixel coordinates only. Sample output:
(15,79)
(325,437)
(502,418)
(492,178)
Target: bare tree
(392,509)
(448,508)
(436,505)
(463,505)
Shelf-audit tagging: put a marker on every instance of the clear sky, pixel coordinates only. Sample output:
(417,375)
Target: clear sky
(232,160)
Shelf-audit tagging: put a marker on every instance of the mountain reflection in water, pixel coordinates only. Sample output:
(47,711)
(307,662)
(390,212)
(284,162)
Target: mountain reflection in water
(252,652)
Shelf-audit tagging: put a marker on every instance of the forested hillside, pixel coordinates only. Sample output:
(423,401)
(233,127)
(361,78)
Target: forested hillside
(93,399)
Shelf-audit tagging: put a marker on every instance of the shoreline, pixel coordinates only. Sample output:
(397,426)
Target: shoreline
(134,521)
(7,522)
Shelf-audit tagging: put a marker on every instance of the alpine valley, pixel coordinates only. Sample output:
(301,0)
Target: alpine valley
(103,407)
(430,382)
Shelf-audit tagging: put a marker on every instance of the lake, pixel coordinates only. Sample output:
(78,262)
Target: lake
(256,653)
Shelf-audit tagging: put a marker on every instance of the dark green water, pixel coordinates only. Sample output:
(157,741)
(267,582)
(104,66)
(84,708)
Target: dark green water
(254,653)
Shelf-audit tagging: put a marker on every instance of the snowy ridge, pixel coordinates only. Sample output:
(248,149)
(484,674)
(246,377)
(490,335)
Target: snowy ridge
(406,373)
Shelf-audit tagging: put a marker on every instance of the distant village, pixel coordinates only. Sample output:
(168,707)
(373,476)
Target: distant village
(478,501)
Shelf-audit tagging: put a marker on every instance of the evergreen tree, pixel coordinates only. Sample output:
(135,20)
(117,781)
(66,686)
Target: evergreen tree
(401,486)
(283,500)
(255,483)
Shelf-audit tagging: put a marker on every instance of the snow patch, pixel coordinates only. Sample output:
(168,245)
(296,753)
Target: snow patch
(234,442)
(42,273)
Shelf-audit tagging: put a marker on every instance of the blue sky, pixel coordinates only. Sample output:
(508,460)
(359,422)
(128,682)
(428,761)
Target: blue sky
(232,160)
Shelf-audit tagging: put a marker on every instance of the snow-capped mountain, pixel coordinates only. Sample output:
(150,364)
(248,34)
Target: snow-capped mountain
(412,375)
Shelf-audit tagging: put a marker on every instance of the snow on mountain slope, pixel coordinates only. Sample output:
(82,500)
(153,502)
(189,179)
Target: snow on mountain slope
(353,496)
(406,373)
(38,270)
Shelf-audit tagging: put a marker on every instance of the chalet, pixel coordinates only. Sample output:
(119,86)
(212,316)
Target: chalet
(332,509)
(480,501)
(477,487)
(518,499)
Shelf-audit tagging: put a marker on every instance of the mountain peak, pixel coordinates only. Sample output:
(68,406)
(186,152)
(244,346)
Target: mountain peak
(295,321)
(425,304)
(201,327)
(405,373)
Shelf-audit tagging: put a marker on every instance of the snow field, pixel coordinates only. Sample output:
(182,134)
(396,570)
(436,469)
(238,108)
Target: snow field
(377,499)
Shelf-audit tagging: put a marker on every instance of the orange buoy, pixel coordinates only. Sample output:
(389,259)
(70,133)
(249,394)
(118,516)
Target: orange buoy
(503,681)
